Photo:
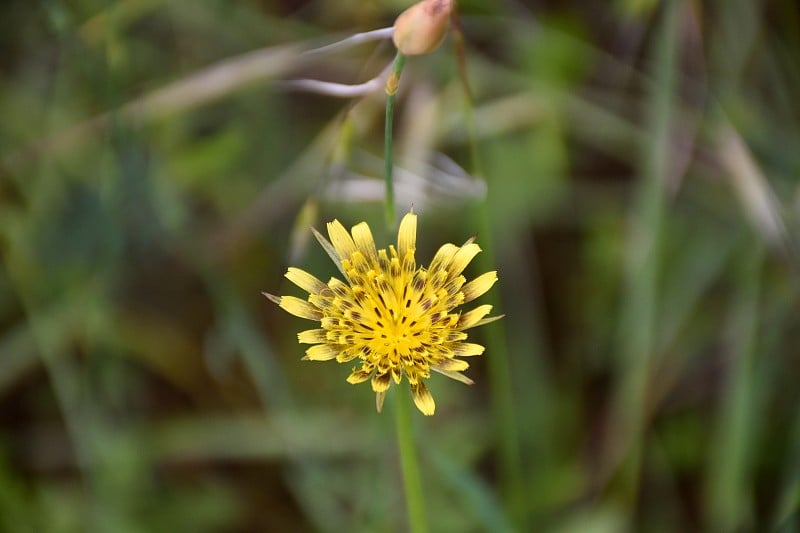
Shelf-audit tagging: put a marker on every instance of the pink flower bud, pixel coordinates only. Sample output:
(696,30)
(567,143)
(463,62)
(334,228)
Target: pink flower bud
(422,27)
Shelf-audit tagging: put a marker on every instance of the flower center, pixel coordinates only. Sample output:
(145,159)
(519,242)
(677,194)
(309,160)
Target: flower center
(400,337)
(397,335)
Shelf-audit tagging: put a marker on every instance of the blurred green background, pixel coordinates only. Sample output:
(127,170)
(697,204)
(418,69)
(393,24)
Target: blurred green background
(640,203)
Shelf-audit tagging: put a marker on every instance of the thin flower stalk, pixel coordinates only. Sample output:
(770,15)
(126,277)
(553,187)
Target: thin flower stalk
(412,478)
(392,84)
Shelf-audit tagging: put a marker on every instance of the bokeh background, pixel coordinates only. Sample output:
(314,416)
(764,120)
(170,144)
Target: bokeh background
(634,182)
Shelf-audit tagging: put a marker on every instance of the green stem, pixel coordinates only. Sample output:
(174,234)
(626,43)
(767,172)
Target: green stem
(502,399)
(388,147)
(499,368)
(461,58)
(638,339)
(412,482)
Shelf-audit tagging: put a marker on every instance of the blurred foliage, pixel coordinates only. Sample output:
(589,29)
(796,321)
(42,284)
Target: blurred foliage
(641,191)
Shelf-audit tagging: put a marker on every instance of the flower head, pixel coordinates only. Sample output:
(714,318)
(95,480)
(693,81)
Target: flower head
(394,318)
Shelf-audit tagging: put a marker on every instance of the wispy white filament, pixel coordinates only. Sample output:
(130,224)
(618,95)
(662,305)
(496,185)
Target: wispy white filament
(353,40)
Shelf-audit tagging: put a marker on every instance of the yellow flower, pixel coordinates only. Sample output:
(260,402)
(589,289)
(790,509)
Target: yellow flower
(396,319)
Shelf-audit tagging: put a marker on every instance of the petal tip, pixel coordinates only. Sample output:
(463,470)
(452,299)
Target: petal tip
(379,398)
(423,399)
(272,297)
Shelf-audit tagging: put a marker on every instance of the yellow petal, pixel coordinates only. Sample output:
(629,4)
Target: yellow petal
(364,241)
(347,355)
(312,336)
(341,240)
(304,280)
(407,235)
(381,382)
(470,318)
(322,352)
(423,399)
(453,336)
(456,365)
(358,265)
(409,266)
(444,256)
(465,349)
(321,302)
(478,286)
(454,285)
(300,308)
(339,288)
(359,376)
(462,258)
(397,375)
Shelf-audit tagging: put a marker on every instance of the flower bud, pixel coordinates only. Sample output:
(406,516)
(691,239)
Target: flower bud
(422,27)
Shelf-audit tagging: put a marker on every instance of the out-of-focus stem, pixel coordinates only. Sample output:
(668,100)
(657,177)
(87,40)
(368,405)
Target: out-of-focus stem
(638,333)
(498,364)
